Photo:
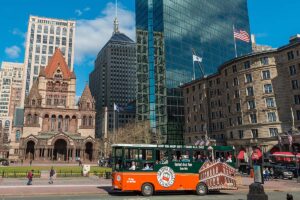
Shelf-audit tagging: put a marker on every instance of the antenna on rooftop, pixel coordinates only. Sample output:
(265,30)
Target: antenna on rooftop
(116,23)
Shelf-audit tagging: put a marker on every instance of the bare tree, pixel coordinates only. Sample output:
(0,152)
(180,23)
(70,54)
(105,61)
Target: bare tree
(131,133)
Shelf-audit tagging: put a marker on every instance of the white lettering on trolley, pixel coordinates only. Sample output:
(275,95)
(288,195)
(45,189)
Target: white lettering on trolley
(166,176)
(131,180)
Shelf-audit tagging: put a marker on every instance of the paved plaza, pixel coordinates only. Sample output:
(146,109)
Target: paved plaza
(100,188)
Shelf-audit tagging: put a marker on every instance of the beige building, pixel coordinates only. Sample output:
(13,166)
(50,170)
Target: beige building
(249,102)
(11,75)
(55,128)
(44,35)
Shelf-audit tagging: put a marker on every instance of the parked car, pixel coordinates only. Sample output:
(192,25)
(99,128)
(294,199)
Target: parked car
(283,173)
(4,162)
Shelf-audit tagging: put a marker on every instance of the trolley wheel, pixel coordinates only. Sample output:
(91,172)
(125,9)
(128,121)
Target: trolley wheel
(147,189)
(201,189)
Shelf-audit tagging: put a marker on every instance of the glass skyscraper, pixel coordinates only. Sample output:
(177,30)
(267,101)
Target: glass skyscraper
(168,31)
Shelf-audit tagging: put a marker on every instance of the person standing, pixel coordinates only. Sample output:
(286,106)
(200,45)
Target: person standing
(29,177)
(30,162)
(51,175)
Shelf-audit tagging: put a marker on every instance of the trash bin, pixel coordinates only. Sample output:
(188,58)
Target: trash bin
(107,175)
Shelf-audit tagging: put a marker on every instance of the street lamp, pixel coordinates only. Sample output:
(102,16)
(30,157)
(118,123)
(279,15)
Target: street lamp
(296,162)
(211,149)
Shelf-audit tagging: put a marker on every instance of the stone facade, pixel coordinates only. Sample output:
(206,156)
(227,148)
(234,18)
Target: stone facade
(249,102)
(55,128)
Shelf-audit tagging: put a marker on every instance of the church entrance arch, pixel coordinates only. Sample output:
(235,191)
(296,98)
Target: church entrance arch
(30,150)
(89,151)
(60,150)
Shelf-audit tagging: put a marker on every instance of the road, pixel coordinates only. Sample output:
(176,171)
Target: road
(161,196)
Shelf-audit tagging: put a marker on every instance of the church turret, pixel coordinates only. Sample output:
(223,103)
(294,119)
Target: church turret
(86,101)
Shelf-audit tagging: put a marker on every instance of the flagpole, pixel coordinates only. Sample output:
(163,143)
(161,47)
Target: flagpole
(234,41)
(114,124)
(194,76)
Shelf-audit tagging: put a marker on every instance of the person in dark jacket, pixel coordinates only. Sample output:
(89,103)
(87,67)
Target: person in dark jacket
(51,175)
(29,177)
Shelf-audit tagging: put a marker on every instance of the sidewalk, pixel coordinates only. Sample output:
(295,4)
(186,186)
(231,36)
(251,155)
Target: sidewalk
(99,186)
(61,186)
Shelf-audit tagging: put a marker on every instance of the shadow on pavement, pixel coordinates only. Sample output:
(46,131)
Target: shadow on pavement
(160,193)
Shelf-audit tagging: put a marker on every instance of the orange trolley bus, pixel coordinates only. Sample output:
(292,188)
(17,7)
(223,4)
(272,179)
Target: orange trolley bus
(148,168)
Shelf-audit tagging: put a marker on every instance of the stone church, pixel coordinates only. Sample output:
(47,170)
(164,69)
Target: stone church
(55,128)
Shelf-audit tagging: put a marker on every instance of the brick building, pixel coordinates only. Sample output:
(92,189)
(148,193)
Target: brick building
(250,102)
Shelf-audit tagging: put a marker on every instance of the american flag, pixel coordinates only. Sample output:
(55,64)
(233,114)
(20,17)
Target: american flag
(241,35)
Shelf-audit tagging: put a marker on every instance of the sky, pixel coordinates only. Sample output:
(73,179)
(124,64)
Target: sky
(272,21)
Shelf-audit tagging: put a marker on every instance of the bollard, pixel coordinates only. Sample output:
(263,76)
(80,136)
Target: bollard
(256,192)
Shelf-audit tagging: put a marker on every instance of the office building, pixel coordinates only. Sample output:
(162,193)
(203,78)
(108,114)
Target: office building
(113,79)
(44,35)
(11,76)
(168,32)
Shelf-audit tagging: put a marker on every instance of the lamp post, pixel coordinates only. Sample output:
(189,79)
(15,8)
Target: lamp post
(211,149)
(297,163)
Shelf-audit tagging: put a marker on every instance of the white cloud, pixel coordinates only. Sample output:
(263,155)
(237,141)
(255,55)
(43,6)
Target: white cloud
(13,51)
(17,32)
(91,35)
(86,9)
(78,12)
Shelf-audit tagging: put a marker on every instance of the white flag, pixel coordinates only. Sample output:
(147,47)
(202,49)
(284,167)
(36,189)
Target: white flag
(197,58)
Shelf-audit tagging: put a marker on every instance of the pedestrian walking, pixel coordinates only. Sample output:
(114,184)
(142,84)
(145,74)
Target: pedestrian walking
(51,175)
(30,162)
(29,177)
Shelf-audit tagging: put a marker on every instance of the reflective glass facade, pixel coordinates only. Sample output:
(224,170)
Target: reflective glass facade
(167,31)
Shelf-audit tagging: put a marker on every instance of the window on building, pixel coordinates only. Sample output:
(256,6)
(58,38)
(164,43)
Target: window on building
(264,60)
(253,118)
(268,88)
(231,135)
(266,74)
(290,55)
(236,93)
(270,102)
(234,70)
(272,117)
(90,121)
(250,91)
(248,78)
(254,133)
(226,85)
(230,121)
(251,104)
(53,119)
(298,114)
(238,107)
(295,84)
(297,99)
(293,70)
(235,81)
(273,132)
(239,120)
(241,134)
(18,136)
(225,72)
(247,64)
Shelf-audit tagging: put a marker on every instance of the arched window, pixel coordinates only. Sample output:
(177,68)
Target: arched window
(7,124)
(59,123)
(33,102)
(67,122)
(28,119)
(84,121)
(18,135)
(53,119)
(90,121)
(36,119)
